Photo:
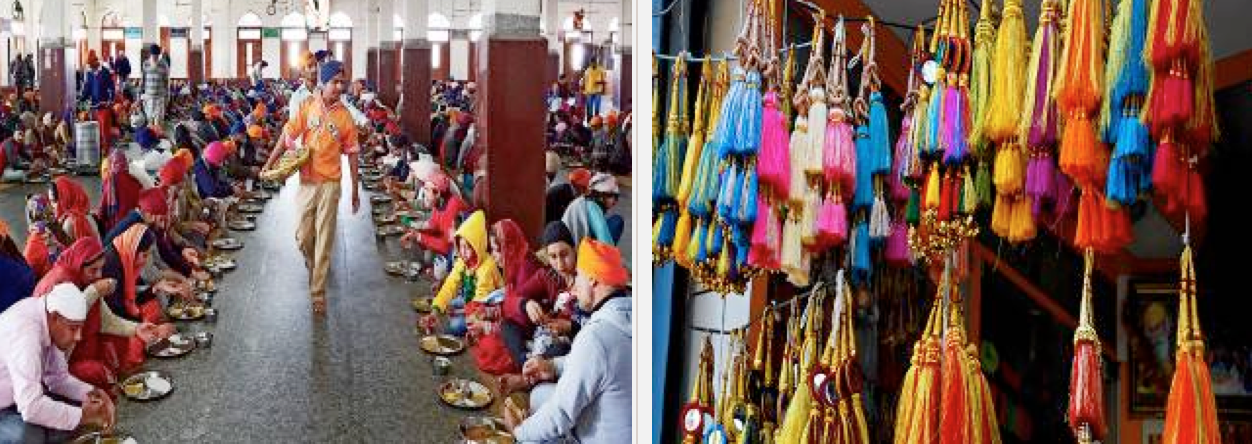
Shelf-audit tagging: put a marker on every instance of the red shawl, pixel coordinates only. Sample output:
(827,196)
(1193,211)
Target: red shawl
(73,205)
(69,266)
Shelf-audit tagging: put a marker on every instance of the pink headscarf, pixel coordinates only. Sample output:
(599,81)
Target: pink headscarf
(215,153)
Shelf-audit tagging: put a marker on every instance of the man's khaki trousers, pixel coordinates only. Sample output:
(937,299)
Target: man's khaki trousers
(318,210)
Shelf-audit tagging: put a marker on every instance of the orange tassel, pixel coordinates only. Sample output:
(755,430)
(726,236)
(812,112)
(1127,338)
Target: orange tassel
(954,426)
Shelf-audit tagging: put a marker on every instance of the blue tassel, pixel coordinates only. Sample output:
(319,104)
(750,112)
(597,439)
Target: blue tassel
(879,135)
(732,106)
(742,243)
(863,196)
(715,240)
(860,253)
(660,173)
(747,202)
(930,144)
(706,182)
(736,195)
(748,125)
(700,237)
(1127,177)
(726,196)
(669,220)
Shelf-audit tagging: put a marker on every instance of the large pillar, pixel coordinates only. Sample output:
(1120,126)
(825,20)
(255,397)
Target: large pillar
(195,58)
(388,56)
(622,84)
(56,81)
(416,74)
(511,112)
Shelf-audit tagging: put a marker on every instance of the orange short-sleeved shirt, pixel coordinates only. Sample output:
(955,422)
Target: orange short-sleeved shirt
(328,131)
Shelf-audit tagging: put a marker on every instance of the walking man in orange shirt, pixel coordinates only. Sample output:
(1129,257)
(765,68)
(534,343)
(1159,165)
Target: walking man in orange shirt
(325,126)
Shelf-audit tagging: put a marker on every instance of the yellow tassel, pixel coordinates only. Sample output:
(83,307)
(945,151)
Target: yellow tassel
(1009,74)
(1009,170)
(794,422)
(682,238)
(1023,224)
(1002,216)
(695,143)
(932,188)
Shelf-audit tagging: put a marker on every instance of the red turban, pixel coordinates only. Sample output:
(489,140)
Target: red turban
(172,172)
(152,202)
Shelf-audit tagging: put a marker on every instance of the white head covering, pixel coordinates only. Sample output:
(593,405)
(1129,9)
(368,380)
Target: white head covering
(552,162)
(604,183)
(67,300)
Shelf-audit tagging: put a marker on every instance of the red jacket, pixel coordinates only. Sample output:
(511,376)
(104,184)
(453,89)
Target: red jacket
(536,282)
(443,223)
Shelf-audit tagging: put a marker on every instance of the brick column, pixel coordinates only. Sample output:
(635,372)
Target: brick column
(511,117)
(416,84)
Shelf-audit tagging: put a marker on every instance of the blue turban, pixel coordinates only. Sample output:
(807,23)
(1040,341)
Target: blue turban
(328,71)
(145,138)
(155,49)
(239,128)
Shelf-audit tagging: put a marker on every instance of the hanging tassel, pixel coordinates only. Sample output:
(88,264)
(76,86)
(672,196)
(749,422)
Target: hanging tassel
(798,154)
(913,213)
(931,142)
(761,252)
(748,126)
(946,197)
(954,420)
(698,250)
(1009,75)
(864,193)
(841,160)
(748,201)
(832,221)
(774,166)
(879,220)
(980,82)
(969,193)
(1023,225)
(682,239)
(879,137)
(861,266)
(982,185)
(1002,216)
(1086,388)
(932,188)
(730,188)
(817,132)
(897,252)
(903,159)
(1009,176)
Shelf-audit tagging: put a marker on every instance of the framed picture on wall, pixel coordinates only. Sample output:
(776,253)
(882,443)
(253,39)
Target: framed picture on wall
(1152,326)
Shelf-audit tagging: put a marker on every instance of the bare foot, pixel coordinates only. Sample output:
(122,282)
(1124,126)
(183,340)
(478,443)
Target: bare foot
(319,305)
(513,383)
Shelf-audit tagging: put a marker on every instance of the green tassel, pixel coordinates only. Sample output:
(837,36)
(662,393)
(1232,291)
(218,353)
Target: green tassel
(913,213)
(982,185)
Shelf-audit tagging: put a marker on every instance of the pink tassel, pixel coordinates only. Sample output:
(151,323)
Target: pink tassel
(897,251)
(832,222)
(839,154)
(766,238)
(774,163)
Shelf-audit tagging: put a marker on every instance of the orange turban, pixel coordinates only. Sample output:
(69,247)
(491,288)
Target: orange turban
(580,178)
(4,229)
(212,111)
(230,146)
(259,111)
(186,157)
(255,131)
(602,263)
(307,60)
(596,121)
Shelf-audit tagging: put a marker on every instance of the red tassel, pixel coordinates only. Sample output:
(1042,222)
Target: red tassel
(1197,205)
(1087,221)
(1166,170)
(945,198)
(1180,425)
(954,414)
(1086,390)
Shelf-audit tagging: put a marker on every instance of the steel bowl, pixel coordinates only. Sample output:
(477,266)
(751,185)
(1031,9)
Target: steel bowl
(204,339)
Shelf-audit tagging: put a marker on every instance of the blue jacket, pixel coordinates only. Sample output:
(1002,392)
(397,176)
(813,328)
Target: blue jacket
(170,253)
(19,281)
(209,181)
(97,87)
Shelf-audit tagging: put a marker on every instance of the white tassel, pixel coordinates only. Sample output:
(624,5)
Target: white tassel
(879,220)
